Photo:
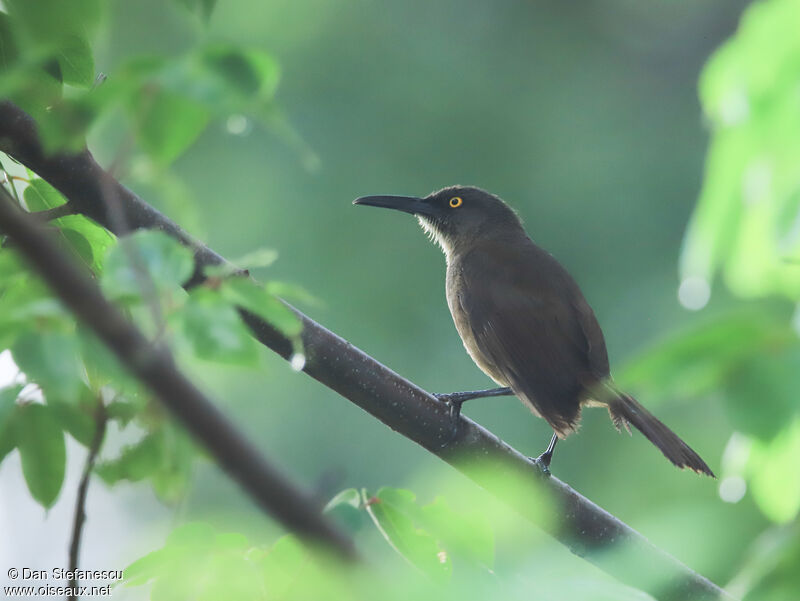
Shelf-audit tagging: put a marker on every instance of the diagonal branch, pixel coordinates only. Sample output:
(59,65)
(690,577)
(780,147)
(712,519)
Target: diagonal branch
(586,529)
(155,368)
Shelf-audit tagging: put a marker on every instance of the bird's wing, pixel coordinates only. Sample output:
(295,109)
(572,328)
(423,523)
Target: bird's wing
(593,335)
(537,329)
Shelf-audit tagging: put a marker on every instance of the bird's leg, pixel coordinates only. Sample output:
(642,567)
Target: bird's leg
(456,399)
(543,460)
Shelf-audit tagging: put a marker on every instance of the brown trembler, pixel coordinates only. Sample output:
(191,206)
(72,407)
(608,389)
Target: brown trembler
(524,320)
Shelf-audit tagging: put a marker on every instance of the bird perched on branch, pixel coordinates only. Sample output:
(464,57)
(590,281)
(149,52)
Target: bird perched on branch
(524,321)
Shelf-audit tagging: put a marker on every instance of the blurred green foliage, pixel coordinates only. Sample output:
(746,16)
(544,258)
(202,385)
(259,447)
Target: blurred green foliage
(168,101)
(746,220)
(745,355)
(746,225)
(447,553)
(430,537)
(76,377)
(583,119)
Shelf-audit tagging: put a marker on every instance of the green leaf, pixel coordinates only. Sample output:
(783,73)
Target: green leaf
(220,78)
(214,331)
(103,368)
(41,447)
(282,566)
(249,295)
(193,534)
(345,508)
(248,73)
(196,563)
(79,244)
(52,360)
(468,536)
(393,511)
(291,292)
(168,123)
(142,257)
(10,265)
(760,394)
(136,462)
(146,568)
(99,239)
(9,51)
(40,195)
(164,456)
(174,474)
(52,21)
(231,576)
(192,540)
(703,358)
(349,497)
(231,541)
(76,420)
(64,125)
(49,46)
(122,411)
(8,412)
(76,61)
(31,87)
(263,257)
(744,223)
(777,494)
(87,239)
(770,572)
(25,304)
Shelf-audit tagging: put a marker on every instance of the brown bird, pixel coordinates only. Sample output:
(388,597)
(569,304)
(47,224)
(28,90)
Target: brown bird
(524,321)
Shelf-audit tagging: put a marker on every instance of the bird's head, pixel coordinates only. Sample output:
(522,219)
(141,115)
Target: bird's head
(454,216)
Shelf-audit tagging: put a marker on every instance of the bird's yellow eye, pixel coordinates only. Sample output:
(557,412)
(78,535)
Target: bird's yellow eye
(456,202)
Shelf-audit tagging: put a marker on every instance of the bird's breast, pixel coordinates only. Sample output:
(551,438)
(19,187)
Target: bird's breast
(456,301)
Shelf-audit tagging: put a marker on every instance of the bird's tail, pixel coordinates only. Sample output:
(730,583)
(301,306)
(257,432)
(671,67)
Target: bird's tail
(624,410)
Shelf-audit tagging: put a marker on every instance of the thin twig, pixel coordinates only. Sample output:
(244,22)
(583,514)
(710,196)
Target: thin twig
(9,179)
(100,420)
(55,212)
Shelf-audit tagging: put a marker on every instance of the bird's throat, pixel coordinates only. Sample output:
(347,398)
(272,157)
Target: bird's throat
(435,233)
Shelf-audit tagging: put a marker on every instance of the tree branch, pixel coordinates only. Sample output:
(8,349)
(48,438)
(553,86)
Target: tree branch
(100,420)
(586,529)
(154,367)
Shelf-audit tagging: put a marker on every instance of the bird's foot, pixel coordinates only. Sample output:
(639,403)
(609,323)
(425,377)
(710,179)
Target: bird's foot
(543,462)
(454,401)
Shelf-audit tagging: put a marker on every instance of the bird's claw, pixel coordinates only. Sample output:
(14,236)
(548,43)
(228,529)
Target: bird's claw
(453,402)
(454,412)
(543,463)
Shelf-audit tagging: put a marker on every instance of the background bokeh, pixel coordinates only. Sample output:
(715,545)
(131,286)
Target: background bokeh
(584,117)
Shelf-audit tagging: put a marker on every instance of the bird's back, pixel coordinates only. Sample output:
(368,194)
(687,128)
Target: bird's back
(526,324)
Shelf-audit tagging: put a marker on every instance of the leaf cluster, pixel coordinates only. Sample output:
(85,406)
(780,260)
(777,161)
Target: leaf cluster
(68,380)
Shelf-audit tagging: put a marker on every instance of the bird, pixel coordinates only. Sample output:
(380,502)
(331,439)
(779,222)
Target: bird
(524,321)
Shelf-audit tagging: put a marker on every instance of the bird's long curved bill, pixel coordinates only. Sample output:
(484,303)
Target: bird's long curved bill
(407,204)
